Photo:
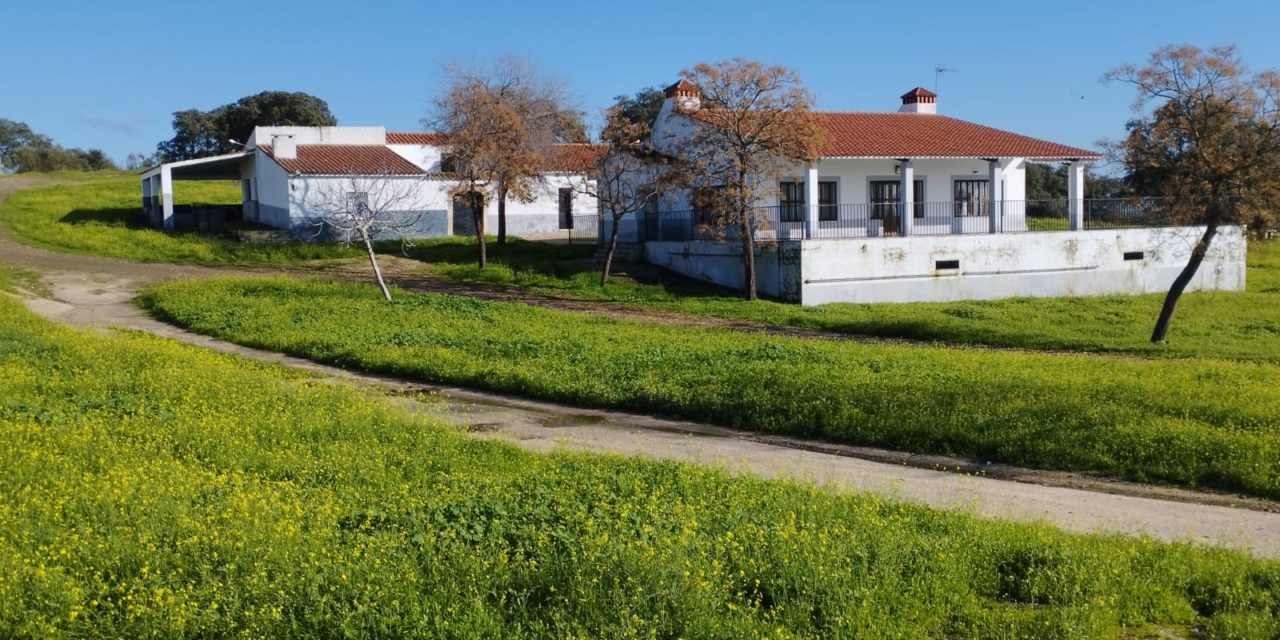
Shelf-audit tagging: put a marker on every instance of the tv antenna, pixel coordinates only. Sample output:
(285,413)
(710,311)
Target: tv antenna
(937,71)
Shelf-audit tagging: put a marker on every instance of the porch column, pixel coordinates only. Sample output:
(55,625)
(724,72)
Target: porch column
(1075,195)
(811,200)
(993,186)
(906,197)
(166,196)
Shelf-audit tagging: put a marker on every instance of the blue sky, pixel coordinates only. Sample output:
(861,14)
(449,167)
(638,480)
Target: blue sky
(110,74)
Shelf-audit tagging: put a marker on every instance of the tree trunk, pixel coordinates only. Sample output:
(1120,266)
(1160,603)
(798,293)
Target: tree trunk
(478,216)
(608,254)
(1180,283)
(377,271)
(749,255)
(502,215)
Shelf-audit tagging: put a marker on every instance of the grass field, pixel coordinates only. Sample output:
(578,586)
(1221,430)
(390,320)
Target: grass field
(98,214)
(1243,325)
(1195,422)
(153,489)
(101,214)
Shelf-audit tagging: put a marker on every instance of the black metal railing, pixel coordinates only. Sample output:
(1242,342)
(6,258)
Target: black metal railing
(879,219)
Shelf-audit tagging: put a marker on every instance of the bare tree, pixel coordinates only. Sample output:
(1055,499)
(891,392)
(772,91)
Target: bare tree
(487,147)
(629,177)
(546,114)
(754,124)
(365,208)
(1210,144)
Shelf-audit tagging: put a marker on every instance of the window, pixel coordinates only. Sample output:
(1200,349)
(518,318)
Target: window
(708,203)
(566,208)
(828,200)
(451,164)
(359,201)
(971,197)
(791,200)
(885,200)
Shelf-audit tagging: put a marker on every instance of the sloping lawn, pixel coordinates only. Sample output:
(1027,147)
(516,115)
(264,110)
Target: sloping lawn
(1195,421)
(1242,325)
(101,214)
(153,489)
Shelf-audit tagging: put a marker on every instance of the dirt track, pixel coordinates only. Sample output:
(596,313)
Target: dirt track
(96,292)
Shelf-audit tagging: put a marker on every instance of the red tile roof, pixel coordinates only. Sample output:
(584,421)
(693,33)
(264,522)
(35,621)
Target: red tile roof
(916,135)
(346,159)
(573,158)
(433,138)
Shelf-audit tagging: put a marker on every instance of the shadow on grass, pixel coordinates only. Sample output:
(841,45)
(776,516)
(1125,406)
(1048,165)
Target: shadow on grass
(568,268)
(129,218)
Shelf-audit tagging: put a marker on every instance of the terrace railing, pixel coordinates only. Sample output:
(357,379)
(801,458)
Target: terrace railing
(788,222)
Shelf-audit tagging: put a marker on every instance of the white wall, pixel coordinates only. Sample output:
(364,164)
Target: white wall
(321,135)
(1022,264)
(424,155)
(777,265)
(271,189)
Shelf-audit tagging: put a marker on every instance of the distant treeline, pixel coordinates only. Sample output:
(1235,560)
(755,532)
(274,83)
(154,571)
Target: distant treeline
(23,150)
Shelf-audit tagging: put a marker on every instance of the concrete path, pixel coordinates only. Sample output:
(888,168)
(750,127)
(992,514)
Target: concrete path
(96,292)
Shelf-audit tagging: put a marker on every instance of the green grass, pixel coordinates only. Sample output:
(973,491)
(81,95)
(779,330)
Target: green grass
(14,277)
(153,489)
(1194,422)
(101,214)
(1243,325)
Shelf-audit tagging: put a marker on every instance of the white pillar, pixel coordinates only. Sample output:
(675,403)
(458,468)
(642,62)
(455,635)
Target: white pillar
(811,200)
(166,196)
(907,197)
(1075,195)
(993,190)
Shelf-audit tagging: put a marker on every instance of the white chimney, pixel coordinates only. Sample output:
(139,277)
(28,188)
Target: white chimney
(686,94)
(283,147)
(919,100)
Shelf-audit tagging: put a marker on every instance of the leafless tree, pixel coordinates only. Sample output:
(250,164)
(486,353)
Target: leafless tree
(753,125)
(1207,139)
(544,108)
(366,208)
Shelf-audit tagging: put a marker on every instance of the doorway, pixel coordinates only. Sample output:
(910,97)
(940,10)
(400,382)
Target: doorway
(465,206)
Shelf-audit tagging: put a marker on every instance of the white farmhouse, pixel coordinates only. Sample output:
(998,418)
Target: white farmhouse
(281,169)
(911,205)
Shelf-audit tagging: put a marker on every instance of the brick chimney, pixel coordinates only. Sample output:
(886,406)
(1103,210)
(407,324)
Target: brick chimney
(686,94)
(919,100)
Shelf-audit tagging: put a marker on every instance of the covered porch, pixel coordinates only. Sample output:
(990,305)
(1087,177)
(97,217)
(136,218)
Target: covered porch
(157,192)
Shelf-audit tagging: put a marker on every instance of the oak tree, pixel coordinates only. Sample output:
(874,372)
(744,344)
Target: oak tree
(629,177)
(1206,140)
(542,104)
(487,146)
(753,125)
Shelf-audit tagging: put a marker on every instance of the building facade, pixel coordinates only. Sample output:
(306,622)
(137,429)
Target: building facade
(911,205)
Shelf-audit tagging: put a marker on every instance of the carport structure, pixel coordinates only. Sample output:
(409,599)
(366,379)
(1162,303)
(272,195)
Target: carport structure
(157,186)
